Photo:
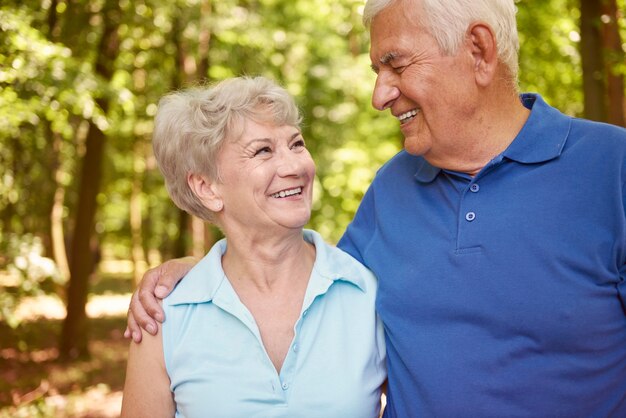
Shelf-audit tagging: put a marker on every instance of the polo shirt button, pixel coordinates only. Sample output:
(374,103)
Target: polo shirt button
(295,347)
(470,216)
(285,386)
(305,312)
(474,188)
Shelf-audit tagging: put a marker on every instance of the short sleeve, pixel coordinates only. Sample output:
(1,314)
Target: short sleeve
(360,231)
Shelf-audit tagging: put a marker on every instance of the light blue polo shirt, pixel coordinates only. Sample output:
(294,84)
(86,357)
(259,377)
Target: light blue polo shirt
(504,294)
(218,366)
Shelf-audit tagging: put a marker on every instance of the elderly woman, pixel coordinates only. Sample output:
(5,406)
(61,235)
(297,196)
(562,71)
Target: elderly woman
(273,322)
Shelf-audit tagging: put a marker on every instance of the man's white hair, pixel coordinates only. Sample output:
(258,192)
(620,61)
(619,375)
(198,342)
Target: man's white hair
(447,21)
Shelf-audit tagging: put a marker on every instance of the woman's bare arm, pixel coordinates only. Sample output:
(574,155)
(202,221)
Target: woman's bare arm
(147,388)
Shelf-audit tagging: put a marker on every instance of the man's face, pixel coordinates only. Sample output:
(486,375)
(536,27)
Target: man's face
(430,93)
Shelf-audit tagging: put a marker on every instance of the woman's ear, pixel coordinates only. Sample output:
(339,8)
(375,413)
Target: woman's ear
(485,52)
(205,190)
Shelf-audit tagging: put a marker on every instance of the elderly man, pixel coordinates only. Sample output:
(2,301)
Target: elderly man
(498,235)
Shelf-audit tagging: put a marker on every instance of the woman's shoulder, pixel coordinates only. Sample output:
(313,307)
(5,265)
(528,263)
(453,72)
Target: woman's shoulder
(335,263)
(202,281)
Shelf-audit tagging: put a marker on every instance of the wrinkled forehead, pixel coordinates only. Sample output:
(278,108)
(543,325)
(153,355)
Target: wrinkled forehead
(396,20)
(393,33)
(252,127)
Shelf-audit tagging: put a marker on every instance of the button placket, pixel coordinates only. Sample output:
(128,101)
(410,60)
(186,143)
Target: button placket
(471,215)
(469,212)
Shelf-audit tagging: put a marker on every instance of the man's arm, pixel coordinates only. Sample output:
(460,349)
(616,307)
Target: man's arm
(156,283)
(360,231)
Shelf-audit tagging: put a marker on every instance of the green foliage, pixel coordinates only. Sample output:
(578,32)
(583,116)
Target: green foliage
(317,48)
(550,61)
(27,274)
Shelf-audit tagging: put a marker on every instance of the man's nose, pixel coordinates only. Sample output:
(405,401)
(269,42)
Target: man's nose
(385,91)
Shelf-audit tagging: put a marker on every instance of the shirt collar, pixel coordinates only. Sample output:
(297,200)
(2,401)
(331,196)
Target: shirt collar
(544,134)
(541,139)
(203,282)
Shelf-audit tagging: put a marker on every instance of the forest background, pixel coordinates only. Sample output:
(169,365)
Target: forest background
(83,208)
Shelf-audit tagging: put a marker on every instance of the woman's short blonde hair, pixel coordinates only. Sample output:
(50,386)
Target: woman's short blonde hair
(191,126)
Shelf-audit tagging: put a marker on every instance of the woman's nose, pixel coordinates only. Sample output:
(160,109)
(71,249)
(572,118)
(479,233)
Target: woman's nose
(291,164)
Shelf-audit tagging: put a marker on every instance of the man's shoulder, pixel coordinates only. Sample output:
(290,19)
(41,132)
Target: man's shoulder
(597,137)
(402,162)
(586,127)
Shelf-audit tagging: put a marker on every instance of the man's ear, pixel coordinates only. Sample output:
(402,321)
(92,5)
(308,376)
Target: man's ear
(484,51)
(205,190)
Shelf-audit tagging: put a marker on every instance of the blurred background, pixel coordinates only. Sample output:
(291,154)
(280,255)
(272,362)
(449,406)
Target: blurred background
(83,209)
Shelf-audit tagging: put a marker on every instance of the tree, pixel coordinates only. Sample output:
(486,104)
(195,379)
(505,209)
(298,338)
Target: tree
(74,335)
(602,54)
(64,76)
(615,59)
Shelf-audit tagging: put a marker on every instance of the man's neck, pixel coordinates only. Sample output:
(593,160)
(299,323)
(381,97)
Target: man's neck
(491,131)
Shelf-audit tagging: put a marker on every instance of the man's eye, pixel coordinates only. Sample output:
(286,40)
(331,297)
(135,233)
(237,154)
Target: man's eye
(399,70)
(263,150)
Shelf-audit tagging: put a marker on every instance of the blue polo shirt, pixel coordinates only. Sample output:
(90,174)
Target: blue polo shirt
(503,295)
(218,366)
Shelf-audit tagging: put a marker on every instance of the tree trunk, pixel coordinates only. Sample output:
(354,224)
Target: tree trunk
(178,80)
(56,214)
(138,255)
(615,57)
(594,85)
(57,236)
(180,245)
(74,335)
(201,239)
(204,40)
(199,234)
(189,68)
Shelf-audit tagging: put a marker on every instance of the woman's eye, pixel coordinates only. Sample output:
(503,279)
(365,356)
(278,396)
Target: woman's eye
(262,151)
(299,144)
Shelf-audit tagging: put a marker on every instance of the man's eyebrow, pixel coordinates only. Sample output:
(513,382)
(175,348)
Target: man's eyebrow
(384,60)
(388,57)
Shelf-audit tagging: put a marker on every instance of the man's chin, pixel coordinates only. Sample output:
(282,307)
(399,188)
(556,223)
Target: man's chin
(415,146)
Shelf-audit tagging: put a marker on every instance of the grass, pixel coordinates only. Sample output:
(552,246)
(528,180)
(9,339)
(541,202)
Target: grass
(35,383)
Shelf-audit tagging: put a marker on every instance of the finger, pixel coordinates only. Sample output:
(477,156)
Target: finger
(149,307)
(132,328)
(131,324)
(140,316)
(134,331)
(146,296)
(170,273)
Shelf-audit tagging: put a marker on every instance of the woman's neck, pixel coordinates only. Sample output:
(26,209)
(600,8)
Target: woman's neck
(268,263)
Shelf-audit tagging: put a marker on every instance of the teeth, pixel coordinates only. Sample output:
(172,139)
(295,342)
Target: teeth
(290,192)
(406,116)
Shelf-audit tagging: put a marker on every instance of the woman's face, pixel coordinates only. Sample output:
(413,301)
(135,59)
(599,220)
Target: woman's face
(266,179)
